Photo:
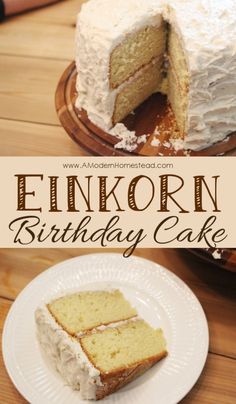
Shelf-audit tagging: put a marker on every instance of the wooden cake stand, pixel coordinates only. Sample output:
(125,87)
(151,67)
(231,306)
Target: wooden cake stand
(152,116)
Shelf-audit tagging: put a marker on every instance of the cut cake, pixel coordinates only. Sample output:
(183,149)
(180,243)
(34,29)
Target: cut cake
(97,342)
(127,49)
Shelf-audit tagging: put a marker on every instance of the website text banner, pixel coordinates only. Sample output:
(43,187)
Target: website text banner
(118,202)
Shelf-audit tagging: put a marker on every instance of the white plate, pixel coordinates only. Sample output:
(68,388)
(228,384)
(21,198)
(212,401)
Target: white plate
(160,297)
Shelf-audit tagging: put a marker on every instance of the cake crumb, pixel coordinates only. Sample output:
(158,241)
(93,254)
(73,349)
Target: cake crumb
(128,139)
(156,132)
(155,142)
(177,144)
(187,153)
(142,139)
(226,139)
(166,144)
(217,254)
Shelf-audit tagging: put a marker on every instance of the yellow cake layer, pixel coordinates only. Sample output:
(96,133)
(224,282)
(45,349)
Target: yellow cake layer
(137,90)
(124,346)
(135,51)
(178,100)
(177,58)
(83,311)
(178,80)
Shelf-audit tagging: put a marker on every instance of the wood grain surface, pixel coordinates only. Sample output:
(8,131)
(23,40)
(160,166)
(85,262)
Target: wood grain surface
(214,288)
(35,48)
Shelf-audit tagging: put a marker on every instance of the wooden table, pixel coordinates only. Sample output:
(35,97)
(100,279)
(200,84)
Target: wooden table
(214,288)
(35,48)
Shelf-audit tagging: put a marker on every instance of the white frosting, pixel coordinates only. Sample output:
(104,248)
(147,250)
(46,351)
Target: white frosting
(67,355)
(166,144)
(101,26)
(177,144)
(155,142)
(142,139)
(207,30)
(217,254)
(110,325)
(127,138)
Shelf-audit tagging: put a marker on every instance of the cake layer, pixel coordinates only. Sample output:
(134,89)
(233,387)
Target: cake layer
(127,345)
(177,59)
(136,51)
(83,311)
(137,89)
(178,80)
(178,99)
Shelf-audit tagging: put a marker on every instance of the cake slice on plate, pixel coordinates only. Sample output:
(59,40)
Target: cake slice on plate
(97,342)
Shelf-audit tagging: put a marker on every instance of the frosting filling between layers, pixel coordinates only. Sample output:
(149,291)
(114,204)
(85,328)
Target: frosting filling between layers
(97,113)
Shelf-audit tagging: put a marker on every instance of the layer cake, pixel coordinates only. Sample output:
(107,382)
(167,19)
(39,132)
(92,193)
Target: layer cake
(127,50)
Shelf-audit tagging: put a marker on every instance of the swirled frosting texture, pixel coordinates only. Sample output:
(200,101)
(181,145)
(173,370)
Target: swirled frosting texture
(207,29)
(101,26)
(208,32)
(67,355)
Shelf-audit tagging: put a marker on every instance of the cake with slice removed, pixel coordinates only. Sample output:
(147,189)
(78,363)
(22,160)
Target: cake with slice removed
(120,49)
(97,342)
